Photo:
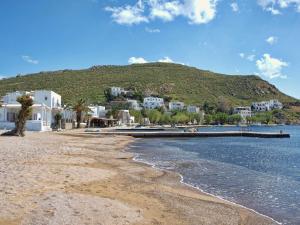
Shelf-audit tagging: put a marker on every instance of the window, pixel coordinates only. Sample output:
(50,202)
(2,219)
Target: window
(46,98)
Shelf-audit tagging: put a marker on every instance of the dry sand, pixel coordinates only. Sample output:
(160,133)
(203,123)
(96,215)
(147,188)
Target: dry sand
(73,179)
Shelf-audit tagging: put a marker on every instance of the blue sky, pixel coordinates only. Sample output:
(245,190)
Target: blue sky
(233,37)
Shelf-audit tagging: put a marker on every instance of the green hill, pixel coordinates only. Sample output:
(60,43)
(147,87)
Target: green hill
(188,84)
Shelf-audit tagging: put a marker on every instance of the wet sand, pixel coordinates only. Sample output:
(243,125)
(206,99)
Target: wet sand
(71,179)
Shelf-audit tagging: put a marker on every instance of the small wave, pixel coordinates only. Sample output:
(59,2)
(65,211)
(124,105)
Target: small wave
(137,158)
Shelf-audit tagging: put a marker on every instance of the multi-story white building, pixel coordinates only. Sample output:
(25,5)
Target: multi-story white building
(46,104)
(193,109)
(261,106)
(266,105)
(153,102)
(176,106)
(244,112)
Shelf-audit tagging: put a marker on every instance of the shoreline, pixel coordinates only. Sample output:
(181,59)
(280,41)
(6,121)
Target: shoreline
(201,190)
(86,178)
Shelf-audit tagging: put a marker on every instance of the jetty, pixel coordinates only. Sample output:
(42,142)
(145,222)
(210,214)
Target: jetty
(177,134)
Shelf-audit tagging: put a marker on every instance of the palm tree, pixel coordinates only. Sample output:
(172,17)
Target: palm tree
(80,107)
(26,105)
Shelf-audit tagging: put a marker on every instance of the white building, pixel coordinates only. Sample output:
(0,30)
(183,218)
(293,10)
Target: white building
(275,104)
(46,104)
(116,91)
(261,106)
(125,118)
(97,111)
(133,104)
(68,115)
(176,106)
(266,105)
(193,109)
(244,112)
(153,102)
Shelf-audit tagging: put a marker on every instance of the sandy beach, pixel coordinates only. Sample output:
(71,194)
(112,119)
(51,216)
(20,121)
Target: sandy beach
(73,179)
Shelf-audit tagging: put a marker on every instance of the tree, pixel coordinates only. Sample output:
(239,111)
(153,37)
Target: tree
(108,96)
(165,119)
(279,116)
(223,105)
(268,118)
(249,119)
(138,117)
(154,115)
(234,119)
(138,95)
(194,117)
(221,118)
(181,117)
(208,119)
(161,109)
(80,107)
(208,108)
(24,113)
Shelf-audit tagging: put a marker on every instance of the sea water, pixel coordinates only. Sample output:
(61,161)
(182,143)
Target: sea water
(261,174)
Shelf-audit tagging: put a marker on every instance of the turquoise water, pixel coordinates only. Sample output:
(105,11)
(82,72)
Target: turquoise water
(261,174)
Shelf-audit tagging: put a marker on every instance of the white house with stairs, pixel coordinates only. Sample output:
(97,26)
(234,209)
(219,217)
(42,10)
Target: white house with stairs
(46,105)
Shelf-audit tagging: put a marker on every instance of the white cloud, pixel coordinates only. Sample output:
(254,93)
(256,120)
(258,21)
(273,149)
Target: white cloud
(247,57)
(274,6)
(152,30)
(200,11)
(2,77)
(196,11)
(137,60)
(251,58)
(271,67)
(28,59)
(166,60)
(164,10)
(273,11)
(234,6)
(141,60)
(128,15)
(272,40)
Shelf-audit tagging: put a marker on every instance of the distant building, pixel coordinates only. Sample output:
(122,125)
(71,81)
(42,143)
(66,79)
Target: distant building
(261,106)
(116,91)
(266,105)
(124,117)
(244,112)
(176,106)
(46,104)
(275,104)
(193,109)
(153,102)
(133,104)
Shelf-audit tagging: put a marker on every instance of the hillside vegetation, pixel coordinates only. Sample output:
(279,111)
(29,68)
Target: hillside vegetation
(188,84)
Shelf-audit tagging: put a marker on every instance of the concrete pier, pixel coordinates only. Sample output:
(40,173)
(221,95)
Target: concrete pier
(137,134)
